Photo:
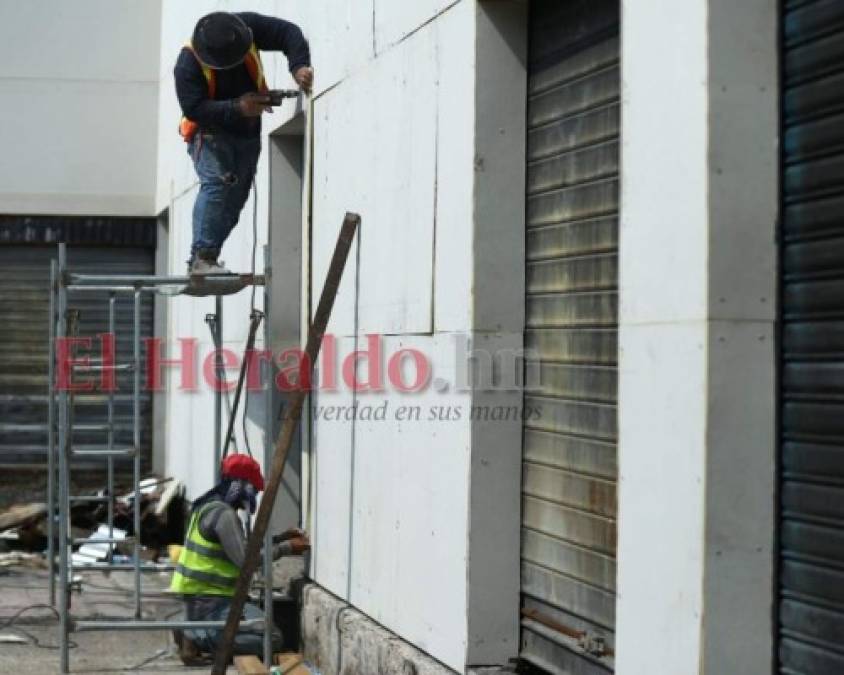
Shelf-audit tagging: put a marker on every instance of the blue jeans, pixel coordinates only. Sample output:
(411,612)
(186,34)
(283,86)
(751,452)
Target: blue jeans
(226,166)
(247,641)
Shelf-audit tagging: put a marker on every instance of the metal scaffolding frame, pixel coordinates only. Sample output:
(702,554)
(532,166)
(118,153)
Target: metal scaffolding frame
(61,448)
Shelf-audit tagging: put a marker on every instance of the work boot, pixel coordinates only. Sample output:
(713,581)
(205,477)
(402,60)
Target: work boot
(206,263)
(189,653)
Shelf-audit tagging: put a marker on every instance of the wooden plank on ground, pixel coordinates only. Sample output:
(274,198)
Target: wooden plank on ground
(21,515)
(249,665)
(292,664)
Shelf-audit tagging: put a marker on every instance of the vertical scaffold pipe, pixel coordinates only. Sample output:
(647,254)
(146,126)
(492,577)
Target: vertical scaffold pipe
(268,458)
(64,496)
(51,437)
(136,442)
(112,302)
(218,390)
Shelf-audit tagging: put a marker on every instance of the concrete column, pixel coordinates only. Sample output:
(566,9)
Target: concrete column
(286,148)
(697,356)
(498,312)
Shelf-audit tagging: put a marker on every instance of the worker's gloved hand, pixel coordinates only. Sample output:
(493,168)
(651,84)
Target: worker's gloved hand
(289,534)
(253,104)
(304,77)
(296,545)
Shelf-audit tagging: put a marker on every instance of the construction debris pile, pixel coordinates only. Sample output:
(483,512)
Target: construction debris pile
(24,529)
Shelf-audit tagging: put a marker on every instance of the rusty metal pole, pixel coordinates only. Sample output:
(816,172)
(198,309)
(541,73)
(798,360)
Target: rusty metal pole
(283,443)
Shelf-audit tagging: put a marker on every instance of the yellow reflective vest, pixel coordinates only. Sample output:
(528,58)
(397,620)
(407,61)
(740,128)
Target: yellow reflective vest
(252,61)
(203,567)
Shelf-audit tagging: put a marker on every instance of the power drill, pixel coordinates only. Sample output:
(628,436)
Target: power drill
(278,95)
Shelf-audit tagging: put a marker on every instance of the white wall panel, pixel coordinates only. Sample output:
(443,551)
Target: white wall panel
(455,171)
(332,457)
(656,137)
(364,163)
(406,482)
(697,414)
(340,33)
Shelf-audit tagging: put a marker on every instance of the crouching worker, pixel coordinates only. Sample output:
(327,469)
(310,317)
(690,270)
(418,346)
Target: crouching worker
(210,563)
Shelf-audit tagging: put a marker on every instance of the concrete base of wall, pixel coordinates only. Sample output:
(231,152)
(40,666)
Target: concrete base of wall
(339,640)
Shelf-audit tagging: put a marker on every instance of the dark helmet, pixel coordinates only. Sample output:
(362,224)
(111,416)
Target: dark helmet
(221,40)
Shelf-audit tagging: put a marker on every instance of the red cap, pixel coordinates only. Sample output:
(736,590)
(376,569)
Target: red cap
(244,467)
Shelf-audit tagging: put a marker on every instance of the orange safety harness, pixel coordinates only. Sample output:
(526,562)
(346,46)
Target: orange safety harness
(252,61)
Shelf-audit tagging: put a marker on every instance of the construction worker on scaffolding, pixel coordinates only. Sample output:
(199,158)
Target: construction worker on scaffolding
(210,561)
(222,91)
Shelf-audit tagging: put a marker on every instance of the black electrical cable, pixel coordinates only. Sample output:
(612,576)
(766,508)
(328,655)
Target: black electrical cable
(34,641)
(252,304)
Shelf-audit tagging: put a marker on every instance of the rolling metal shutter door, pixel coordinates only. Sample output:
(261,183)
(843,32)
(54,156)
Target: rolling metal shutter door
(811,610)
(24,305)
(570,456)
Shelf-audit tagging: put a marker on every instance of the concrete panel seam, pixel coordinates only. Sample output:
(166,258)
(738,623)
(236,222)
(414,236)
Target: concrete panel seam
(390,46)
(420,27)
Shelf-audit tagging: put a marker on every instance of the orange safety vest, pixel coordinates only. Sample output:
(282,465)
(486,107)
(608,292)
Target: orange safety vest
(252,61)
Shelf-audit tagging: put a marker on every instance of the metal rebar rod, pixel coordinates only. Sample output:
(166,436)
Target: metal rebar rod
(117,624)
(136,441)
(99,289)
(91,428)
(112,323)
(293,412)
(148,281)
(105,452)
(51,447)
(268,456)
(64,493)
(10,428)
(95,368)
(122,567)
(88,499)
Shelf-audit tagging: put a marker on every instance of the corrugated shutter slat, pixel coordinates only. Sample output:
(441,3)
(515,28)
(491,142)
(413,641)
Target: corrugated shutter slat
(570,458)
(24,302)
(811,607)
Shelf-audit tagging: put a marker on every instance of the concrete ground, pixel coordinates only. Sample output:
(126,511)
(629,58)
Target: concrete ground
(103,653)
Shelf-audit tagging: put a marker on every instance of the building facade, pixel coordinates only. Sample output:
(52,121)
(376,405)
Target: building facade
(637,199)
(620,220)
(593,186)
